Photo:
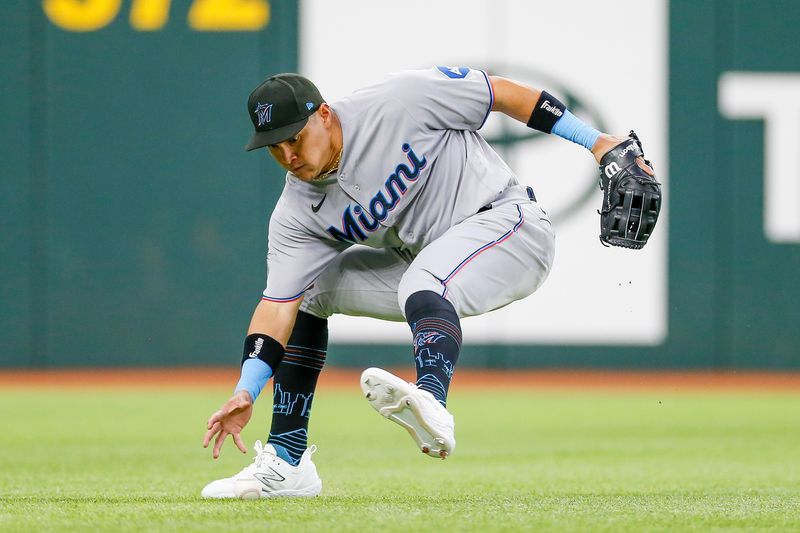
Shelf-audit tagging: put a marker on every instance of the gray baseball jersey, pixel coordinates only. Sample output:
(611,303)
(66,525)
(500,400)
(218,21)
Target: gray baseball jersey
(412,169)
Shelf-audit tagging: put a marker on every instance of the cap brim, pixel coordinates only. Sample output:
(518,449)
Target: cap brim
(265,138)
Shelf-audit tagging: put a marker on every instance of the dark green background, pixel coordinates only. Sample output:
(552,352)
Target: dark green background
(132,220)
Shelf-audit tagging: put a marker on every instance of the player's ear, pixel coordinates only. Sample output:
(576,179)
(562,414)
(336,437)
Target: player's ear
(325,114)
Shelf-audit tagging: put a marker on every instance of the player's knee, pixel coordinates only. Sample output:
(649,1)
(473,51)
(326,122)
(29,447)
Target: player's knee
(425,304)
(414,281)
(308,322)
(317,304)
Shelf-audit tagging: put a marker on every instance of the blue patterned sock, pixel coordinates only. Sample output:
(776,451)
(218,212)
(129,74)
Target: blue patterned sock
(290,445)
(437,341)
(294,384)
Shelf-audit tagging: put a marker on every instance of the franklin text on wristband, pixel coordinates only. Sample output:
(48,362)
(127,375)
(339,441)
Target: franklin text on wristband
(547,111)
(264,347)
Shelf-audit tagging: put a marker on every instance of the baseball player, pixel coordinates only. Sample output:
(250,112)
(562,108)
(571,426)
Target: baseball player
(394,207)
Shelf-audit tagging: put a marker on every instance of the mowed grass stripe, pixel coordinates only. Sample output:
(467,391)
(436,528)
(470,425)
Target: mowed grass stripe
(540,461)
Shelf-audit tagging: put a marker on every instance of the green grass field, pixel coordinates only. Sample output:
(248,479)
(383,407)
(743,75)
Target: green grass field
(97,460)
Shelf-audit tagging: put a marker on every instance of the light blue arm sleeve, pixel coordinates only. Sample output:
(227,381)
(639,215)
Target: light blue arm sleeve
(255,374)
(573,129)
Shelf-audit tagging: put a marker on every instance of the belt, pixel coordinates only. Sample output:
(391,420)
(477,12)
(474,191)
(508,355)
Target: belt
(530,195)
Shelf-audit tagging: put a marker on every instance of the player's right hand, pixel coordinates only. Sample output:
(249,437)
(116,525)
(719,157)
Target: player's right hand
(230,419)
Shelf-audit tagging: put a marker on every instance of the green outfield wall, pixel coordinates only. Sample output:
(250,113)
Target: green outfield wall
(133,223)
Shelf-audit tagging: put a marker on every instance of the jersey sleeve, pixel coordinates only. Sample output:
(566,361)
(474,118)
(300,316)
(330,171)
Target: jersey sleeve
(444,97)
(294,260)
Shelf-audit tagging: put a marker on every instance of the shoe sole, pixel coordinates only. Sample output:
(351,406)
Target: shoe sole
(391,397)
(310,492)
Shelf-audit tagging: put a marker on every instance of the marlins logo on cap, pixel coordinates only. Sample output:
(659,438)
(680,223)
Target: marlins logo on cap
(264,112)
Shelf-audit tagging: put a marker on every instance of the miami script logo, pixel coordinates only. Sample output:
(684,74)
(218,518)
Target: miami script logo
(357,223)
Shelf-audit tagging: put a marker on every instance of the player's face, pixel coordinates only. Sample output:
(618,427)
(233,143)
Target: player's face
(308,154)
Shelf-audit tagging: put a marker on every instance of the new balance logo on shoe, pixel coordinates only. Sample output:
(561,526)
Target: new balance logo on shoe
(268,476)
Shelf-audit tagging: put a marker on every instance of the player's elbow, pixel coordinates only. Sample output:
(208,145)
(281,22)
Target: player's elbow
(513,98)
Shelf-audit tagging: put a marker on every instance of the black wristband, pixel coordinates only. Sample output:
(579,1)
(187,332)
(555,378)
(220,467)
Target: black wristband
(546,113)
(264,347)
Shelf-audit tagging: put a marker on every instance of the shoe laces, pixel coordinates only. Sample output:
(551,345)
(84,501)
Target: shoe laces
(262,455)
(265,453)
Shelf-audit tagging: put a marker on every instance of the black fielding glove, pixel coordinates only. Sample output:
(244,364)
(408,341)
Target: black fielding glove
(631,196)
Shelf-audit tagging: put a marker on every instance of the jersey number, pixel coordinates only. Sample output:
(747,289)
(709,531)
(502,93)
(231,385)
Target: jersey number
(152,15)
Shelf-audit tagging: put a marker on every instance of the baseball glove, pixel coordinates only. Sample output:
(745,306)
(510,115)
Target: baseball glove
(631,196)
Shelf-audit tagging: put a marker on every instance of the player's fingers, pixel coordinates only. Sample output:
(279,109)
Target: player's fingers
(218,443)
(210,434)
(644,166)
(237,439)
(214,418)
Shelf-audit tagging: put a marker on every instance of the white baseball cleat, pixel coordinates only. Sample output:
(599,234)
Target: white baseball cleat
(430,425)
(269,477)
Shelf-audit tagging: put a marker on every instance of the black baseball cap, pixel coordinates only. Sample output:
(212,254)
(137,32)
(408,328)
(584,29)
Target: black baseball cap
(280,107)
